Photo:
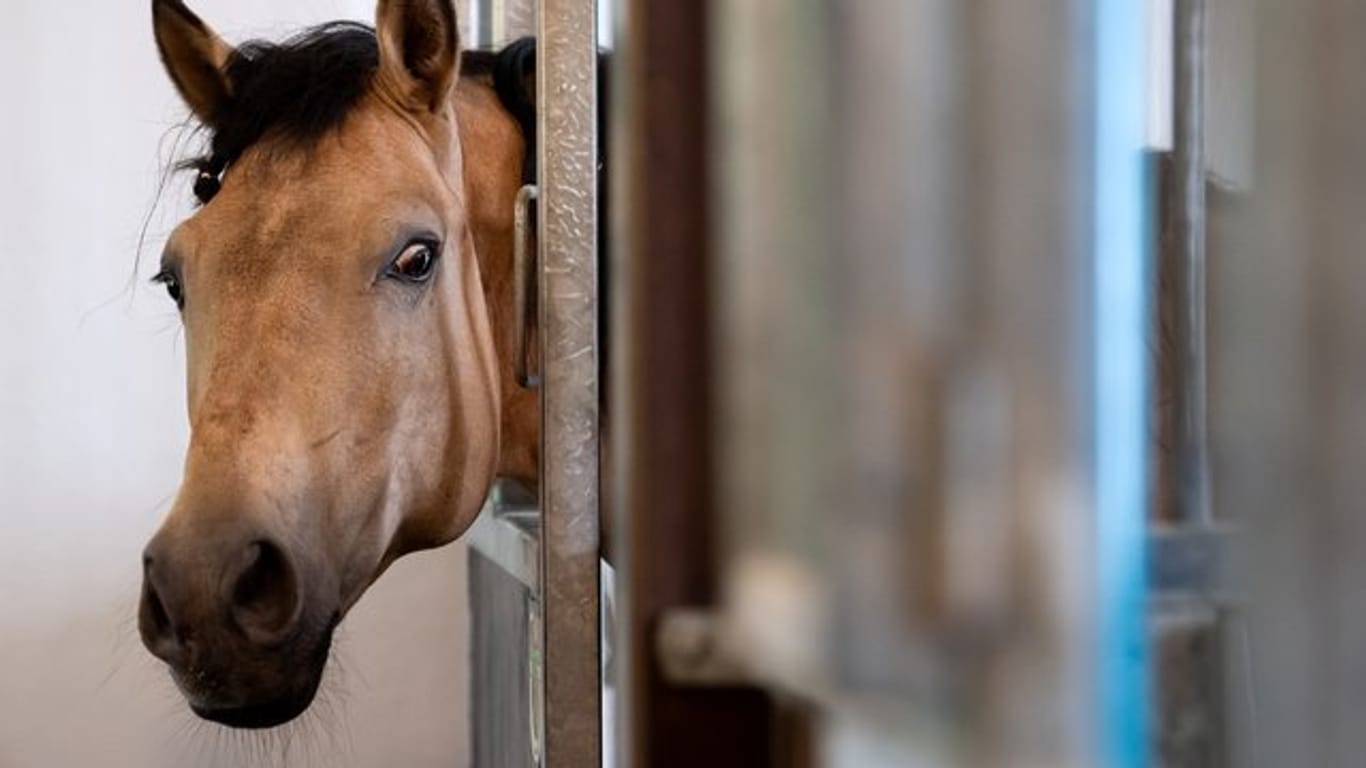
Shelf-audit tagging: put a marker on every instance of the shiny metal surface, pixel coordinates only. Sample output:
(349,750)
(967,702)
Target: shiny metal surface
(1191,460)
(568,217)
(525,271)
(508,533)
(502,666)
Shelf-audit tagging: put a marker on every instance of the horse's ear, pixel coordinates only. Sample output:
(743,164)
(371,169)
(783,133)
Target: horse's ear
(194,55)
(419,51)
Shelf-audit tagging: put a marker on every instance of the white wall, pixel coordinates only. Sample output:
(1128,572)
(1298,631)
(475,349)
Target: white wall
(92,428)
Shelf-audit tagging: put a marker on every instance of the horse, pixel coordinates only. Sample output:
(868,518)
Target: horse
(346,293)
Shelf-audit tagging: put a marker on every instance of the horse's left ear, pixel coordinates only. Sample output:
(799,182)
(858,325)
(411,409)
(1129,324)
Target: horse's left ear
(195,57)
(419,51)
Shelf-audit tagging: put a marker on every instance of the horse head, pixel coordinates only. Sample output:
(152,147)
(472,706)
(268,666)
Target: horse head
(344,384)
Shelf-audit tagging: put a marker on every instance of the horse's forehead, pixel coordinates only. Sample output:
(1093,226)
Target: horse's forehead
(368,173)
(372,151)
(364,162)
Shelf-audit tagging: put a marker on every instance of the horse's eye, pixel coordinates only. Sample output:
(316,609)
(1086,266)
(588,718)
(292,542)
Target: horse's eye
(416,262)
(171,281)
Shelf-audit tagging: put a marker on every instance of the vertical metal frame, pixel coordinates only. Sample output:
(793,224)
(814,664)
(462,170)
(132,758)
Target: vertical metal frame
(1191,502)
(1189,614)
(567,143)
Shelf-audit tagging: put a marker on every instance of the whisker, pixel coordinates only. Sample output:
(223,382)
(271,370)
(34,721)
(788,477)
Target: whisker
(178,134)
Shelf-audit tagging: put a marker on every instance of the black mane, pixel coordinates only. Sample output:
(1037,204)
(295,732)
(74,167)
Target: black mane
(294,91)
(298,90)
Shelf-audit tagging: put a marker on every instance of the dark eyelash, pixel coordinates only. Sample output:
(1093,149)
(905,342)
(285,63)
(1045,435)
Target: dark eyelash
(162,277)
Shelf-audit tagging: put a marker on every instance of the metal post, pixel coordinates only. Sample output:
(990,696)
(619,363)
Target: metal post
(1191,460)
(1187,619)
(566,73)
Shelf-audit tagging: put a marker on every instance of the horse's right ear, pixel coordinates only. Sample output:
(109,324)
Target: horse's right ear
(195,57)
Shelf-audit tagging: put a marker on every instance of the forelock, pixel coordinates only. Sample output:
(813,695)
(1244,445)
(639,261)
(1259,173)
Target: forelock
(292,92)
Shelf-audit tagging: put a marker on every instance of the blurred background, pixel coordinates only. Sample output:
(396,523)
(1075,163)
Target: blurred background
(1033,338)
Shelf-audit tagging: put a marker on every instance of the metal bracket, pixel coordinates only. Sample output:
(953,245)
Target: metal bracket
(525,283)
(1189,560)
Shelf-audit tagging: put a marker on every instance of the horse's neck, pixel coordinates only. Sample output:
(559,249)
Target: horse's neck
(493,151)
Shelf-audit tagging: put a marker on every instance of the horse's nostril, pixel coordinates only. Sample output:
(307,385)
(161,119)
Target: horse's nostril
(156,612)
(154,623)
(265,598)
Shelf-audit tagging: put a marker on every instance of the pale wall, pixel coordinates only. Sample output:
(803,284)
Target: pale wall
(92,427)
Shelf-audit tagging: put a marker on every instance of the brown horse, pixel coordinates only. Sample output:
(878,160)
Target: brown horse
(346,294)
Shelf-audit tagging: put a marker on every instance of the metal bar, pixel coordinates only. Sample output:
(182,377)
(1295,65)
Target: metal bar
(504,573)
(503,671)
(566,69)
(1187,641)
(1191,460)
(481,23)
(524,267)
(1186,562)
(496,21)
(508,533)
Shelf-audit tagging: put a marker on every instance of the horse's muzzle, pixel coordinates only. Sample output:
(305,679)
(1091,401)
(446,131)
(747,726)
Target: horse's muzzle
(224,606)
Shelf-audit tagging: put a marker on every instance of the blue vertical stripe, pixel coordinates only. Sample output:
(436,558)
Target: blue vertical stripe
(1122,292)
